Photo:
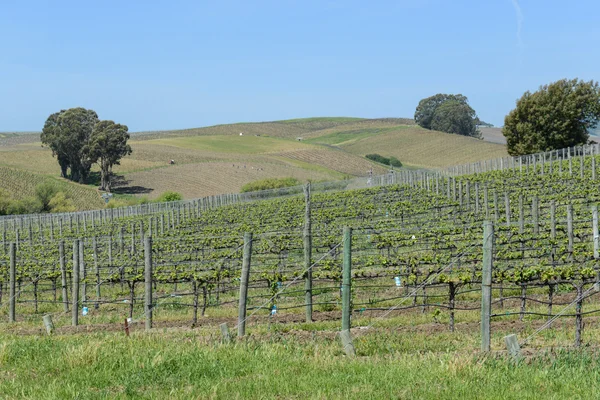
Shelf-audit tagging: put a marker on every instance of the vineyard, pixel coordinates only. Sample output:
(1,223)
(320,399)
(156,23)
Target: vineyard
(468,255)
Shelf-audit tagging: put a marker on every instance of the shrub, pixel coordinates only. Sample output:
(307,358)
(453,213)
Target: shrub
(392,161)
(270,183)
(169,196)
(29,205)
(44,193)
(61,203)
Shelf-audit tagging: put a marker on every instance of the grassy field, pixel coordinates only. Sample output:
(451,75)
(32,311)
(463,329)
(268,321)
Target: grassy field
(408,355)
(207,158)
(183,366)
(426,149)
(20,184)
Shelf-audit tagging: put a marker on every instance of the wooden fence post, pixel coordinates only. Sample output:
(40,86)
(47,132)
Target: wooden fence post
(596,244)
(307,255)
(75,285)
(347,280)
(486,285)
(82,272)
(244,284)
(507,207)
(148,281)
(97,267)
(13,282)
(63,274)
(535,210)
(570,229)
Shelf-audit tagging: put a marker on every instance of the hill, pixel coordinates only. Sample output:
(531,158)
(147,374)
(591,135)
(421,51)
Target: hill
(216,159)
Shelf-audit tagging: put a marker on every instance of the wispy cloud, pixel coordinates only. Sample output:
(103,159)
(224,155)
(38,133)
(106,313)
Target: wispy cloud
(519,15)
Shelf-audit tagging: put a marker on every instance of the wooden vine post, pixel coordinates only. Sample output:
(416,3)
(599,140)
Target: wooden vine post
(148,281)
(63,275)
(596,244)
(75,285)
(486,284)
(13,282)
(307,238)
(347,279)
(345,335)
(244,284)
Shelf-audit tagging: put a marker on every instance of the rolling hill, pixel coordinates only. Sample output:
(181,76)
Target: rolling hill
(217,159)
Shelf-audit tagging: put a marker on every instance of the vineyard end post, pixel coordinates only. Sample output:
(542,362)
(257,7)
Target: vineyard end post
(486,285)
(347,280)
(75,285)
(307,238)
(13,282)
(148,281)
(244,284)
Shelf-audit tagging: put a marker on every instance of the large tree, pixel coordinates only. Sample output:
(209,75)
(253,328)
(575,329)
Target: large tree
(426,108)
(558,115)
(107,145)
(67,133)
(455,117)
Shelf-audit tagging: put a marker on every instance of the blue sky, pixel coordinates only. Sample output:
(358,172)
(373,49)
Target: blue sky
(179,64)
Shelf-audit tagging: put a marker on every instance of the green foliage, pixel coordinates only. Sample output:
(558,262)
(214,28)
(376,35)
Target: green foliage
(107,145)
(392,161)
(169,196)
(4,202)
(455,117)
(44,192)
(426,108)
(270,183)
(449,113)
(67,134)
(61,203)
(28,205)
(558,115)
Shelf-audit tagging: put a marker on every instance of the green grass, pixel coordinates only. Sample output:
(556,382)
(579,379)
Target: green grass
(185,365)
(232,144)
(344,137)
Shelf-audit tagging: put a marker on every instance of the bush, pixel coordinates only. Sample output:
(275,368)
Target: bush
(4,202)
(44,193)
(169,196)
(270,183)
(29,205)
(392,161)
(61,203)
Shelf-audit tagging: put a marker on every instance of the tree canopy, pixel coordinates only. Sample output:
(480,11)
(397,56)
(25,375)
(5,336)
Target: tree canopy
(79,139)
(455,117)
(449,113)
(107,145)
(67,133)
(558,115)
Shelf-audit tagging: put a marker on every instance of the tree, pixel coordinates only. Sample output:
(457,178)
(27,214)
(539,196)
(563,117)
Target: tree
(457,117)
(67,133)
(44,192)
(426,108)
(558,115)
(107,145)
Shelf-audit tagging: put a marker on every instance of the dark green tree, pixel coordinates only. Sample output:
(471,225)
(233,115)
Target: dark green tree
(455,117)
(558,115)
(426,108)
(67,134)
(107,145)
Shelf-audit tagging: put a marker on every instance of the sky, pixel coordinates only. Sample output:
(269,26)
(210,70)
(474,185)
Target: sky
(155,65)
